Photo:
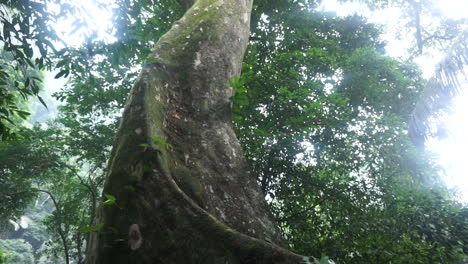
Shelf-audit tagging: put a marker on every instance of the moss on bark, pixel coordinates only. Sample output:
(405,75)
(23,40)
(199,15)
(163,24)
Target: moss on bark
(193,202)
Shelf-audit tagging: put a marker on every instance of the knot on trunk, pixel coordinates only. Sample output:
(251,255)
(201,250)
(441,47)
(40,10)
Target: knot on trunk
(134,237)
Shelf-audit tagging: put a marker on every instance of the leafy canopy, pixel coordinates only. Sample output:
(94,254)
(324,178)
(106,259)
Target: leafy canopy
(322,115)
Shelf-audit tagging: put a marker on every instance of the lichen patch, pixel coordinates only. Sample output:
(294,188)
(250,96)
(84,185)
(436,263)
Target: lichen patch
(197,60)
(245,18)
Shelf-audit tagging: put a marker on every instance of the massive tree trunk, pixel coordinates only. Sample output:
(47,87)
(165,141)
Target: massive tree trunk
(182,187)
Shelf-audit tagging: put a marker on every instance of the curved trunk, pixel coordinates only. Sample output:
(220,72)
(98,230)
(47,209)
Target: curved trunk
(182,187)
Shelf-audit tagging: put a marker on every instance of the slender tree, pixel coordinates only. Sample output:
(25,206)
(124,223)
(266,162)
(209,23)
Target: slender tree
(179,183)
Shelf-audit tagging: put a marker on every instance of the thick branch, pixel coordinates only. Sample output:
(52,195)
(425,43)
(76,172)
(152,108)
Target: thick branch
(437,37)
(417,24)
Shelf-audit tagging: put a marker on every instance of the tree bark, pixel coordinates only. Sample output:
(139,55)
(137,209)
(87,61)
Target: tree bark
(182,186)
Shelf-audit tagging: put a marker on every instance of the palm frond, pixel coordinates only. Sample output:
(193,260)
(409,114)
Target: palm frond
(446,83)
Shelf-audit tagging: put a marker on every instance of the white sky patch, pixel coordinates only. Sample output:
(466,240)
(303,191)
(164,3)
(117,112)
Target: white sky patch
(453,150)
(96,18)
(344,9)
(397,43)
(93,16)
(455,9)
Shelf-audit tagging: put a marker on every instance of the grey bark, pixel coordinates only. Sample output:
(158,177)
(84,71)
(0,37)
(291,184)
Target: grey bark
(183,190)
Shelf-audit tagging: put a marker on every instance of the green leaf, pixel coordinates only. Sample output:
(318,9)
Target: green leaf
(62,63)
(42,101)
(161,143)
(62,73)
(23,114)
(110,197)
(110,200)
(152,60)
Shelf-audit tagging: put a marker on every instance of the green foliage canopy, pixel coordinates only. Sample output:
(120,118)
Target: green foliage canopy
(322,115)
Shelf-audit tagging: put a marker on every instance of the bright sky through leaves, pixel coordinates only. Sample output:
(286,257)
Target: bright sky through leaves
(453,149)
(94,16)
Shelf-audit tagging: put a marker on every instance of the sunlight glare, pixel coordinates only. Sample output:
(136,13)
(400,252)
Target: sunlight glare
(455,9)
(453,150)
(95,17)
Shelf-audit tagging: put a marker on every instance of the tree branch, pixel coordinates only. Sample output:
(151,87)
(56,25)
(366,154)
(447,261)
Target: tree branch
(424,41)
(59,227)
(417,24)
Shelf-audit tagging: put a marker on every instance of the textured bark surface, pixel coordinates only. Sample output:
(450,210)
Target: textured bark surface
(191,200)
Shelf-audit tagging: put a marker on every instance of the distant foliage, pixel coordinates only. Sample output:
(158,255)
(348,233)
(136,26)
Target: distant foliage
(17,251)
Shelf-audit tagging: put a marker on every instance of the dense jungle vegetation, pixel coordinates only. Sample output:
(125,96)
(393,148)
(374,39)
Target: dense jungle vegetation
(333,129)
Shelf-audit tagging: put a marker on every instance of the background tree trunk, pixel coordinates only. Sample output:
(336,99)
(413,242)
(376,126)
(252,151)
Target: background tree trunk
(182,187)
